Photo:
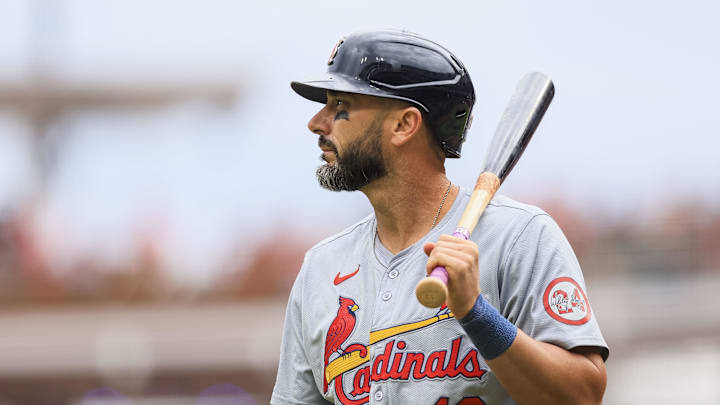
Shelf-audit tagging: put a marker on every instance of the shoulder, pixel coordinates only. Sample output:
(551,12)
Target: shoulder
(526,219)
(511,215)
(508,225)
(332,253)
(508,207)
(530,233)
(348,235)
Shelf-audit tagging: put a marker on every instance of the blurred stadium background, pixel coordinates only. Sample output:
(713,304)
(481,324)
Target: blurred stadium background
(157,186)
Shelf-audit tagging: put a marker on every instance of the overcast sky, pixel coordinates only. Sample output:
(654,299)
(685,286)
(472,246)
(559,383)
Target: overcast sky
(634,120)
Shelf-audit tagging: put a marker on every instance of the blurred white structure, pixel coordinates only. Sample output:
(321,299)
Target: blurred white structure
(659,354)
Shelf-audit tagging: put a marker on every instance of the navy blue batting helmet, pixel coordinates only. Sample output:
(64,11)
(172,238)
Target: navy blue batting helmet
(403,66)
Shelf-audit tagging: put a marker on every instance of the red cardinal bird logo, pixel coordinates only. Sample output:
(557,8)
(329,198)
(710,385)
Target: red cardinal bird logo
(340,329)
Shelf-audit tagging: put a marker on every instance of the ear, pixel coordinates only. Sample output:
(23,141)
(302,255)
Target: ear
(406,122)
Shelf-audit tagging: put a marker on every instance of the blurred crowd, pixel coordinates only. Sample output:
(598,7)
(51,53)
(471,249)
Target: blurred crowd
(681,240)
(27,276)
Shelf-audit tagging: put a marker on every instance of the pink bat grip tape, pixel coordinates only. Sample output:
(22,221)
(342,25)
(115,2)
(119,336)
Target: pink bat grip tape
(439,272)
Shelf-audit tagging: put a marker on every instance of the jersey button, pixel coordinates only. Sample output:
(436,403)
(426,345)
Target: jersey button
(386,295)
(393,274)
(378,396)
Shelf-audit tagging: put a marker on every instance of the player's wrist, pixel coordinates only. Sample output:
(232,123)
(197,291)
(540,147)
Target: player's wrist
(463,310)
(491,333)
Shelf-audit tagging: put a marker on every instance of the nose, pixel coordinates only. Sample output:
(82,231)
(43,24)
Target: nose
(320,123)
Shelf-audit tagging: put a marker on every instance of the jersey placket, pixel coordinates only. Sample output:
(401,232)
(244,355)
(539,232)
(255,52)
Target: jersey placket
(384,314)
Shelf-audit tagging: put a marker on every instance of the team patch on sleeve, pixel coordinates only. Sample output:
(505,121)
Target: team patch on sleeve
(565,301)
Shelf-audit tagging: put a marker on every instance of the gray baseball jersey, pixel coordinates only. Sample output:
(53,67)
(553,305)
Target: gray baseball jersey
(355,333)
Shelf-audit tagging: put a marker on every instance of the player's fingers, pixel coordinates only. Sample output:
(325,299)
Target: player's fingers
(447,250)
(469,251)
(447,240)
(471,248)
(428,247)
(451,263)
(451,259)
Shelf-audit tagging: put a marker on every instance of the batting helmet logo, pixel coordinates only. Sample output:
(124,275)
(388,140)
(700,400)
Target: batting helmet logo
(334,52)
(565,301)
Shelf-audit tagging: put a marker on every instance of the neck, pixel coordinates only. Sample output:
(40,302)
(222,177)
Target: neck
(405,208)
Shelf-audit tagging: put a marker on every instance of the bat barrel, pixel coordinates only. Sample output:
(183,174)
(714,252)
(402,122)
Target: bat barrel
(522,116)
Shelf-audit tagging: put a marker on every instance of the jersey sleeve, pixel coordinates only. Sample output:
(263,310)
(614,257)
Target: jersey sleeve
(542,289)
(295,384)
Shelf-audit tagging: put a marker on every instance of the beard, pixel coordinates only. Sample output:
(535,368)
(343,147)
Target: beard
(361,163)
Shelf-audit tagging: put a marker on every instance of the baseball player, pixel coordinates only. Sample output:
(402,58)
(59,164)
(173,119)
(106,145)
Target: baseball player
(517,326)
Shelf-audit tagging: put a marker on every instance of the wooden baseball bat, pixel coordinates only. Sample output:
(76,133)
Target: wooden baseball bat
(522,115)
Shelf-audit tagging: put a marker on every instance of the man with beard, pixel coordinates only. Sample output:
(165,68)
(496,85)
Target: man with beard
(517,326)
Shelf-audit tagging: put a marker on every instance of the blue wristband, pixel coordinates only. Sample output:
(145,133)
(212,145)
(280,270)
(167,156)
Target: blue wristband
(491,333)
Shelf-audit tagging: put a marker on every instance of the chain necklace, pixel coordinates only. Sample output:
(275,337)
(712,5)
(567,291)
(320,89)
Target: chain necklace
(437,215)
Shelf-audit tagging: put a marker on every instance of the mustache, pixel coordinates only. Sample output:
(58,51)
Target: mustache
(323,142)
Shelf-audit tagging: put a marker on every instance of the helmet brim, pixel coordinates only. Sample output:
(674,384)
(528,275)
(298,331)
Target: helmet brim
(316,90)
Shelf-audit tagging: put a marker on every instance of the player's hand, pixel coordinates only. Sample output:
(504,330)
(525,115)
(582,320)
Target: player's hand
(460,259)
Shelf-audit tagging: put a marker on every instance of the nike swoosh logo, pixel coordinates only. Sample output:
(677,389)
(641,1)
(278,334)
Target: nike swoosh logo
(339,279)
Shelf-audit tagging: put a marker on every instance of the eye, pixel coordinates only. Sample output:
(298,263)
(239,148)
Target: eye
(342,115)
(339,102)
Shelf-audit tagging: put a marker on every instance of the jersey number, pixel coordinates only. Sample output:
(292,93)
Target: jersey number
(464,401)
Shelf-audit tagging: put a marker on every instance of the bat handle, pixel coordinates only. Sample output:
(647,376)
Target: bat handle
(432,290)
